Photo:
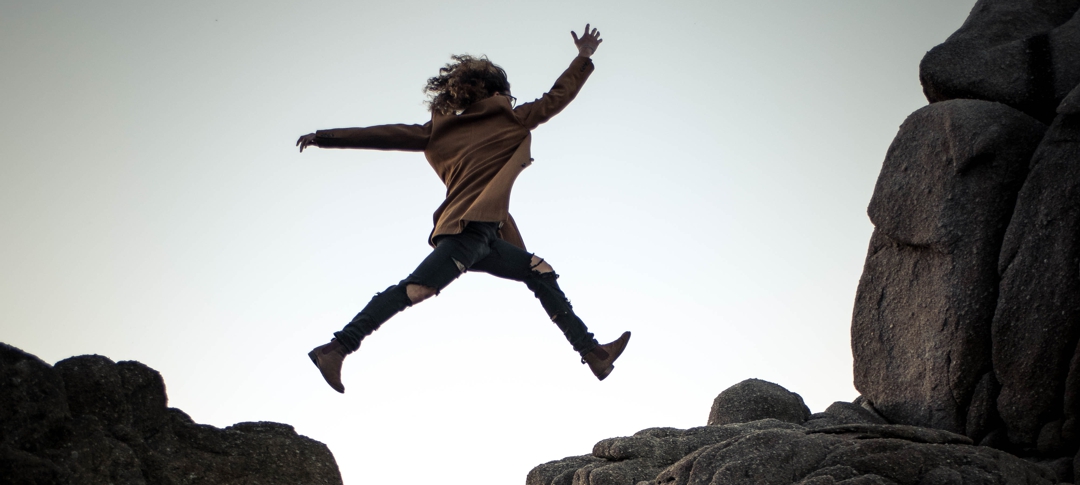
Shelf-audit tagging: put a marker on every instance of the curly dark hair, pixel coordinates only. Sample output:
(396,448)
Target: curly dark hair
(464,81)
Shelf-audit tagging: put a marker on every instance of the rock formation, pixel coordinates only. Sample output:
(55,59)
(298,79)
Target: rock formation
(967,316)
(847,444)
(88,420)
(921,326)
(966,326)
(1036,327)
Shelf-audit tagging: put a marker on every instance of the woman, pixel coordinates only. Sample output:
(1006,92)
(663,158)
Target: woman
(478,143)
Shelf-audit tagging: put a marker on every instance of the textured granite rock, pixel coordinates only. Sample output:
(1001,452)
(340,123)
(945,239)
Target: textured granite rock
(1036,325)
(89,420)
(755,399)
(924,352)
(1023,53)
(920,331)
(770,451)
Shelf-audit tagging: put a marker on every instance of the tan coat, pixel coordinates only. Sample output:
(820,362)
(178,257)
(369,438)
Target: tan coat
(478,153)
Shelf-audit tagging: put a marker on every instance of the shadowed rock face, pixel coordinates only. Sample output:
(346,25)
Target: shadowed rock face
(920,332)
(1037,323)
(845,444)
(89,420)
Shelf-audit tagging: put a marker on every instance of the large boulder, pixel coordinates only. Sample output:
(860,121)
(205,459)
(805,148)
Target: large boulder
(1036,326)
(90,420)
(920,332)
(755,399)
(1019,52)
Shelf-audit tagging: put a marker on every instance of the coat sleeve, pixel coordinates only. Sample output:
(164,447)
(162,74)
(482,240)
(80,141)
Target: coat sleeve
(412,138)
(551,103)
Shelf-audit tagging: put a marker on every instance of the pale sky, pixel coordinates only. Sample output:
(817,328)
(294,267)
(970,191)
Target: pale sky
(707,190)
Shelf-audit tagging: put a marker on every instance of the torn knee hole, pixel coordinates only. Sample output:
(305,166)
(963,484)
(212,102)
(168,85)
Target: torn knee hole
(418,293)
(540,266)
(460,267)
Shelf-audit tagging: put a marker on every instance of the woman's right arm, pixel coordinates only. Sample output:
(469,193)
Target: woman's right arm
(382,137)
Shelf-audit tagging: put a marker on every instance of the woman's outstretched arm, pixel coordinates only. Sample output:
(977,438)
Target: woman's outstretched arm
(381,137)
(566,87)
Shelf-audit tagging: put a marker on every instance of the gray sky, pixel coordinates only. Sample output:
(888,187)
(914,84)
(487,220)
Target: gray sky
(706,190)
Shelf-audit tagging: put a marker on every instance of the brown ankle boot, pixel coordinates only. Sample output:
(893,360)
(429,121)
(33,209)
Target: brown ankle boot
(328,358)
(602,358)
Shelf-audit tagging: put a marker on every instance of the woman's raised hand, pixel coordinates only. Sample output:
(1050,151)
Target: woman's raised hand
(306,141)
(588,42)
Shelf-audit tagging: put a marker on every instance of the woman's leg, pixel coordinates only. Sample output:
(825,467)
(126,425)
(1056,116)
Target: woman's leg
(450,258)
(511,262)
(508,261)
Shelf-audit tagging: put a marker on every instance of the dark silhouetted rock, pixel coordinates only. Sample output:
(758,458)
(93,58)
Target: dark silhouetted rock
(1037,322)
(1062,468)
(94,387)
(33,404)
(982,415)
(755,399)
(89,420)
(1021,53)
(920,332)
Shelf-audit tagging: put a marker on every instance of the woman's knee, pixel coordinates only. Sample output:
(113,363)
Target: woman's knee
(540,266)
(418,293)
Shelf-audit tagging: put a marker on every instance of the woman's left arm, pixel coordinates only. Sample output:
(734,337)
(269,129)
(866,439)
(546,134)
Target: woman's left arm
(567,86)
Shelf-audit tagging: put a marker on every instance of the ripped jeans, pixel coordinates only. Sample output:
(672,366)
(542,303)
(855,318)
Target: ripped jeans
(477,248)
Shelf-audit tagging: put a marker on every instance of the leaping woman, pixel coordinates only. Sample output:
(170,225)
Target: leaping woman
(478,143)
